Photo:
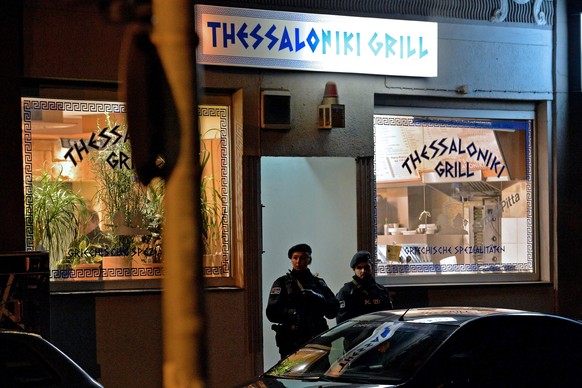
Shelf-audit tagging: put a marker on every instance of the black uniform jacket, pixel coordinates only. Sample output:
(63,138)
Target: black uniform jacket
(301,300)
(361,297)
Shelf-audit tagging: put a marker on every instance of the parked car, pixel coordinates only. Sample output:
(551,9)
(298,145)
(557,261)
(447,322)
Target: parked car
(438,347)
(28,360)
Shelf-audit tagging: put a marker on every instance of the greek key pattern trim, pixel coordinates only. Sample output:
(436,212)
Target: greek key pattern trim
(419,269)
(222,112)
(528,266)
(28,106)
(98,272)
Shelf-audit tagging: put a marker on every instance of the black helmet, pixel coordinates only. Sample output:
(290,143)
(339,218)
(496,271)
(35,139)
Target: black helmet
(299,248)
(360,257)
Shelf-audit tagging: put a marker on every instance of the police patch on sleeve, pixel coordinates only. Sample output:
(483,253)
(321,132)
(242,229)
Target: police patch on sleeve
(342,304)
(275,290)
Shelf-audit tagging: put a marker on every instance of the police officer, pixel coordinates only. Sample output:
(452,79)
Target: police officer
(298,303)
(362,295)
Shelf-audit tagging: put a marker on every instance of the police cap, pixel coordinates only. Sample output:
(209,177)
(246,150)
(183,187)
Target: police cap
(299,248)
(360,257)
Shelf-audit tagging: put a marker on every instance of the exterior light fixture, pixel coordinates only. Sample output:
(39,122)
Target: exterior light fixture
(331,113)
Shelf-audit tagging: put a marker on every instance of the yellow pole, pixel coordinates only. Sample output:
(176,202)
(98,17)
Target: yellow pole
(183,323)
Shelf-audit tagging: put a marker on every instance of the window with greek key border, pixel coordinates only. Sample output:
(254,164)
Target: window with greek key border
(455,197)
(86,207)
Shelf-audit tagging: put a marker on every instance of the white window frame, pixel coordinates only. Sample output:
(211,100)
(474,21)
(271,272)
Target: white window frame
(538,113)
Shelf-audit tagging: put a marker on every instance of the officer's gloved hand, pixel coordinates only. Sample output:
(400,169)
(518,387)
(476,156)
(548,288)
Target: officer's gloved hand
(310,294)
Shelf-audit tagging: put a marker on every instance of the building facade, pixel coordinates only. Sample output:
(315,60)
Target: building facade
(498,62)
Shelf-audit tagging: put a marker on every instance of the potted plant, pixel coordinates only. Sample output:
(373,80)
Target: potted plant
(56,211)
(83,259)
(122,198)
(148,258)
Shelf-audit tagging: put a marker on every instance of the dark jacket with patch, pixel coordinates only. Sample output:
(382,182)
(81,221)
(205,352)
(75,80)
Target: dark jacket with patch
(361,297)
(298,304)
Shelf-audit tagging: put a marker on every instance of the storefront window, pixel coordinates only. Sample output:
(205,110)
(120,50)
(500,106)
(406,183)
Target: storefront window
(86,206)
(454,196)
(84,203)
(214,129)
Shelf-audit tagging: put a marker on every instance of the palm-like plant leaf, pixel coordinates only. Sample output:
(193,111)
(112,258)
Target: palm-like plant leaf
(56,210)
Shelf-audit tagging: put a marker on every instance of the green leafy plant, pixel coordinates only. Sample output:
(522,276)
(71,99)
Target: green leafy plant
(121,195)
(154,217)
(81,251)
(56,211)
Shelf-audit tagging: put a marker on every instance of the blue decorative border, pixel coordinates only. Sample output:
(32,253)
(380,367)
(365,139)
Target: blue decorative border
(383,269)
(85,274)
(429,268)
(28,106)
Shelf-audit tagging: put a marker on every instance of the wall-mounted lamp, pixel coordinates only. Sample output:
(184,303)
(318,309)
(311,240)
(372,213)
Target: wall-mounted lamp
(331,113)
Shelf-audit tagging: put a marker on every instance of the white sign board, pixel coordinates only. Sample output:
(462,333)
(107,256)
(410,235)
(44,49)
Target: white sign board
(313,42)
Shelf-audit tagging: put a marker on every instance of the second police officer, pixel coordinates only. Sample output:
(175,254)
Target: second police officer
(299,302)
(362,294)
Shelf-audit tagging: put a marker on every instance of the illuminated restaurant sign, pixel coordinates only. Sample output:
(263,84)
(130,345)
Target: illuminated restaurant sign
(313,42)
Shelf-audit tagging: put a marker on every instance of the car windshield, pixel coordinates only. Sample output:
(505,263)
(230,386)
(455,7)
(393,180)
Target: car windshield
(389,352)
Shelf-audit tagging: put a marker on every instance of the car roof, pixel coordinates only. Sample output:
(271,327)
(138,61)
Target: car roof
(30,359)
(455,315)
